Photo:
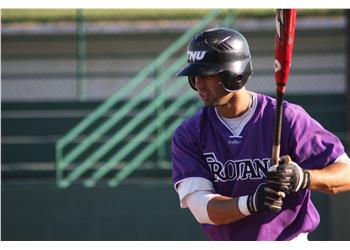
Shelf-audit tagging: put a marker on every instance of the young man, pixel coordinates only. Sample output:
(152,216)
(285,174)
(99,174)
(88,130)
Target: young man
(221,156)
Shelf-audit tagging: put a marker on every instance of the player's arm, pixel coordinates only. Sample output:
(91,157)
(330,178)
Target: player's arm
(332,179)
(210,208)
(224,210)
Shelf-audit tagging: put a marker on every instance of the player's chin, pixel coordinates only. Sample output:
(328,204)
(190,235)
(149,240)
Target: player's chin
(207,101)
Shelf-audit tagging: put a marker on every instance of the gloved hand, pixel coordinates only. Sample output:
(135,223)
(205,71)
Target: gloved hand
(288,176)
(265,198)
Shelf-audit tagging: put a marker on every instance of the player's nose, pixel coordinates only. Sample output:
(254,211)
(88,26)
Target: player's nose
(200,82)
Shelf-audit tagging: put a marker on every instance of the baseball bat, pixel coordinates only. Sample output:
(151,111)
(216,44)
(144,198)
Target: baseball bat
(283,46)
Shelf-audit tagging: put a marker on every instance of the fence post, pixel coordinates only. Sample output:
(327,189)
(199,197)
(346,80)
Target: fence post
(230,19)
(160,127)
(59,172)
(81,55)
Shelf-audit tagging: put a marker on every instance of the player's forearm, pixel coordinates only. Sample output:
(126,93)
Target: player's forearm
(223,210)
(332,179)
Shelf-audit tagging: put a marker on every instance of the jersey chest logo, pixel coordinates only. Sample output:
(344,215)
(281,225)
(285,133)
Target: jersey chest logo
(237,170)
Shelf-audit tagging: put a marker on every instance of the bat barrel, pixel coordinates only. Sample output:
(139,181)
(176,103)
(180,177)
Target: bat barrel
(284,43)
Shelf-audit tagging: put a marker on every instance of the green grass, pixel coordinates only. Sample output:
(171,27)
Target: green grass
(54,15)
(35,15)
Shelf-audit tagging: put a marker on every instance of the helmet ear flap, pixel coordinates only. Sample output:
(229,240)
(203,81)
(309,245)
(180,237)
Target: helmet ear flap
(192,82)
(232,81)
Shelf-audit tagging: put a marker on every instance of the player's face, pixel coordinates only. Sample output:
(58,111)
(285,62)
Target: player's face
(210,90)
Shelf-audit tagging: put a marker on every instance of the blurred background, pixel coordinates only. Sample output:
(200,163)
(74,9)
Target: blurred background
(89,104)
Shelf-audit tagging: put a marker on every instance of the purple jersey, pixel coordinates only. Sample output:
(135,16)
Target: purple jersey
(236,164)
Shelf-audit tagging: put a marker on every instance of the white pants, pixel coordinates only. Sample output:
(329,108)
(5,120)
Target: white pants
(301,237)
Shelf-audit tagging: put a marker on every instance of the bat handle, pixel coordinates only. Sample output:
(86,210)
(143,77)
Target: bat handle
(277,130)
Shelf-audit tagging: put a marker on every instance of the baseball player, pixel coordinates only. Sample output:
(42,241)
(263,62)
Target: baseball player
(222,155)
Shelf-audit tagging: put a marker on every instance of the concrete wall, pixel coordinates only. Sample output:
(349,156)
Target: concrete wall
(38,210)
(137,210)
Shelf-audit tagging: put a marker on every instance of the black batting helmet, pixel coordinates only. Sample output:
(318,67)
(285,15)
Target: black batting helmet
(220,51)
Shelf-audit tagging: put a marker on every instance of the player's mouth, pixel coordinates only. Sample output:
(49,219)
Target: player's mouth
(203,94)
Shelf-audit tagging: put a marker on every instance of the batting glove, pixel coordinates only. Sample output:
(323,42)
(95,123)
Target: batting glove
(265,198)
(288,176)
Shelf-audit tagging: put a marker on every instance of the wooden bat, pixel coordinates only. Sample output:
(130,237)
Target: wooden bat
(284,41)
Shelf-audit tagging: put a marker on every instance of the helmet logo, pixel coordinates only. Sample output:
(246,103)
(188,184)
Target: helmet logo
(197,55)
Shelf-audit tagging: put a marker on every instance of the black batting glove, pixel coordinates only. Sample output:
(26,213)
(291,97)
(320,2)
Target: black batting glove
(265,198)
(288,176)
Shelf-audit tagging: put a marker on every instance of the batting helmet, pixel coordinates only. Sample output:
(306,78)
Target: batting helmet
(220,51)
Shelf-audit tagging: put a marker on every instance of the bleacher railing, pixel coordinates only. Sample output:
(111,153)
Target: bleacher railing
(68,150)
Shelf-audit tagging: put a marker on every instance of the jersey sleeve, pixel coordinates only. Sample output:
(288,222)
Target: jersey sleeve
(311,145)
(187,158)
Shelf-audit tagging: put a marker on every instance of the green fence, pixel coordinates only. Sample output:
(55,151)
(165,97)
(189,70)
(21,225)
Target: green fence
(158,91)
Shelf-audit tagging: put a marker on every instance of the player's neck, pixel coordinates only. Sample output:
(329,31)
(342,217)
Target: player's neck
(237,105)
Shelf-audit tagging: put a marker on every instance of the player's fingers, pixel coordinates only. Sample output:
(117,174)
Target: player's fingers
(275,194)
(273,200)
(277,185)
(281,171)
(284,171)
(281,187)
(276,207)
(281,176)
(281,194)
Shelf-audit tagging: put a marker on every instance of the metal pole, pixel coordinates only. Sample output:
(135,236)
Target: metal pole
(81,55)
(230,19)
(59,172)
(160,126)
